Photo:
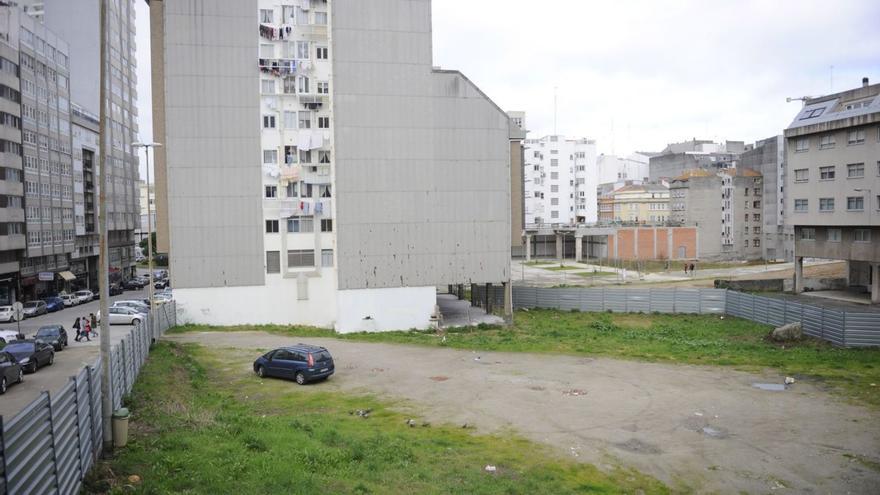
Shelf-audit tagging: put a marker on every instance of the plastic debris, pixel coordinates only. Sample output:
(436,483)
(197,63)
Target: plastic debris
(361,413)
(574,392)
(490,468)
(698,413)
(789,380)
(411,423)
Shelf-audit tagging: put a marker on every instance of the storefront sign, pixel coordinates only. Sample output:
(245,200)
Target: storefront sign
(46,276)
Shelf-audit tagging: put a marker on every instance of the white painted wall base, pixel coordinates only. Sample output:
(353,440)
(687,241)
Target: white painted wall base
(378,310)
(272,304)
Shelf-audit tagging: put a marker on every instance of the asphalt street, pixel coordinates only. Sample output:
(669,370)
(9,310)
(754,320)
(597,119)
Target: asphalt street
(67,362)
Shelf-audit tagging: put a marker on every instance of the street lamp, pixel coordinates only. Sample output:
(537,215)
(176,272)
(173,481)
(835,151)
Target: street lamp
(146,147)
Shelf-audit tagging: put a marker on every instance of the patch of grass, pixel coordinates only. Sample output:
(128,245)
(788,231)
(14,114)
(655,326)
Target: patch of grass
(864,461)
(539,263)
(561,268)
(595,274)
(203,423)
(687,339)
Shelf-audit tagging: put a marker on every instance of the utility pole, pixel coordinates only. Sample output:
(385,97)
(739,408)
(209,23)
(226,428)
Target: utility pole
(103,258)
(146,147)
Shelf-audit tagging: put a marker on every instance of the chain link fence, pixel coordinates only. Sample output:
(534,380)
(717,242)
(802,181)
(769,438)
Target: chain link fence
(50,445)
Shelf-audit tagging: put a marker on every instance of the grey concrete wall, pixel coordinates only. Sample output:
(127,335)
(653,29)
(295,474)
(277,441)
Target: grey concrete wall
(213,143)
(845,249)
(704,211)
(422,157)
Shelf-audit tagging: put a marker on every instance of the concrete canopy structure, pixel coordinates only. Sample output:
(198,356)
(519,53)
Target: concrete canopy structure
(417,161)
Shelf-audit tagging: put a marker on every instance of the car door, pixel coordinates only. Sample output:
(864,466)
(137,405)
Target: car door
(42,353)
(276,363)
(8,368)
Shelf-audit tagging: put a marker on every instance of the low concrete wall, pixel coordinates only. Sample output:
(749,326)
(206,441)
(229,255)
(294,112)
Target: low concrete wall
(781,284)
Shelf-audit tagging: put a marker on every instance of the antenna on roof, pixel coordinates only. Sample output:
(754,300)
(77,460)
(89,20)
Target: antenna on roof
(555,108)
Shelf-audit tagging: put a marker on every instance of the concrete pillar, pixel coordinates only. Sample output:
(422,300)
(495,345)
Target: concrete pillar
(875,283)
(488,306)
(578,248)
(798,274)
(528,247)
(847,268)
(508,302)
(560,244)
(474,295)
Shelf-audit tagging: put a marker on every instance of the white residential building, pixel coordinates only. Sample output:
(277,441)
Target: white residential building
(560,181)
(618,169)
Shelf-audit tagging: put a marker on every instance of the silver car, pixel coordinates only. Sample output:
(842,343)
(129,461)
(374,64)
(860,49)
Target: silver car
(6,314)
(35,308)
(84,296)
(123,316)
(137,305)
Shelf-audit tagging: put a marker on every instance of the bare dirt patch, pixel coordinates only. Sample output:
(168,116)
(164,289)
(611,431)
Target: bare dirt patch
(705,427)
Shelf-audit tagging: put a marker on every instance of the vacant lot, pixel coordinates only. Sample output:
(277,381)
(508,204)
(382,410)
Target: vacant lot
(696,339)
(699,428)
(203,423)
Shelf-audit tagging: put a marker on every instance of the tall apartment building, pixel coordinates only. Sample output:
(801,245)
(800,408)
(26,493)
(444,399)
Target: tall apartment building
(768,157)
(78,23)
(147,204)
(726,206)
(677,158)
(86,148)
(518,134)
(560,181)
(833,188)
(12,238)
(324,173)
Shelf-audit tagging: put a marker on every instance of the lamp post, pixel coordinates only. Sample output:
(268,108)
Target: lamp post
(146,147)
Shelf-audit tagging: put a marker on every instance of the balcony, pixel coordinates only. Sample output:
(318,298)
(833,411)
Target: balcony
(14,241)
(313,30)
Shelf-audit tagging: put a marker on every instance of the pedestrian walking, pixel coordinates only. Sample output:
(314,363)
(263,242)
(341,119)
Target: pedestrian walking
(94,323)
(692,269)
(88,328)
(77,326)
(685,269)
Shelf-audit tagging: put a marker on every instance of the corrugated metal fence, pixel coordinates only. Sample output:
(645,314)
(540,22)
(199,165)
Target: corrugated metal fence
(849,328)
(51,444)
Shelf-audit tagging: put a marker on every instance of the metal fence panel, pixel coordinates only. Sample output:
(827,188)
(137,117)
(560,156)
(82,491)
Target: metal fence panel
(713,301)
(569,299)
(834,326)
(525,297)
(593,300)
(862,329)
(687,300)
(28,444)
(812,321)
(638,300)
(775,310)
(66,429)
(614,300)
(662,301)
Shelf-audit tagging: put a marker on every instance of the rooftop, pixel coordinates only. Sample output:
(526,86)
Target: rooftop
(849,104)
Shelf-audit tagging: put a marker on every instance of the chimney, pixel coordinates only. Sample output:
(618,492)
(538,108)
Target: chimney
(864,82)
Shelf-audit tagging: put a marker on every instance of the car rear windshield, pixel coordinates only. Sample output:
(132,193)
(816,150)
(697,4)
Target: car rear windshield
(321,355)
(13,348)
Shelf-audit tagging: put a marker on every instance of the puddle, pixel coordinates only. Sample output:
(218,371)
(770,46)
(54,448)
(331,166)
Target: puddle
(773,387)
(713,432)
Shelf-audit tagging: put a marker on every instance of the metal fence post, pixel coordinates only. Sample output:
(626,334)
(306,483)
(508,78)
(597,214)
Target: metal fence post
(80,473)
(3,479)
(54,444)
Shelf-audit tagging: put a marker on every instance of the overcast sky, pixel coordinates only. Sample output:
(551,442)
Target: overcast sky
(638,74)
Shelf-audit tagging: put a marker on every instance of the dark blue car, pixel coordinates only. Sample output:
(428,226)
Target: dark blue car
(54,304)
(303,363)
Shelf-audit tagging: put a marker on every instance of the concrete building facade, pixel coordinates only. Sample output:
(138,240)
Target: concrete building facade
(833,184)
(613,169)
(518,134)
(767,156)
(560,181)
(379,193)
(695,154)
(635,203)
(86,187)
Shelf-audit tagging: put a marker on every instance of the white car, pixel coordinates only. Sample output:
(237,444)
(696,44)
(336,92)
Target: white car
(69,300)
(6,314)
(123,316)
(84,296)
(138,305)
(10,335)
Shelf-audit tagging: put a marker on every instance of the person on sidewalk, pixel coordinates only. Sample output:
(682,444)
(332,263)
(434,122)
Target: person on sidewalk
(88,328)
(94,323)
(77,326)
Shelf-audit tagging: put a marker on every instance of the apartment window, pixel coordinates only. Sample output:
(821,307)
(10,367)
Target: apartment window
(801,145)
(862,235)
(554,214)
(301,258)
(326,225)
(747,217)
(827,173)
(554,201)
(305,120)
(826,204)
(745,243)
(267,51)
(321,18)
(756,230)
(322,53)
(266,16)
(291,189)
(271,192)
(834,235)
(289,85)
(756,243)
(856,137)
(301,225)
(302,50)
(323,88)
(747,192)
(855,170)
(801,205)
(327,258)
(855,203)
(812,113)
(826,142)
(273,262)
(303,84)
(270,156)
(271,226)
(267,87)
(801,175)
(808,234)
(323,157)
(323,122)
(554,175)
(756,217)
(554,162)
(289,119)
(554,189)
(305,156)
(756,204)
(268,121)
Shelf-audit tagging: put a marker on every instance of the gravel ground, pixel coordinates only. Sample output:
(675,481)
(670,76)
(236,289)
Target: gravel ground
(703,427)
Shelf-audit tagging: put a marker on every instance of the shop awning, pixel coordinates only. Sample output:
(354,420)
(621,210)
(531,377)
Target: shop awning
(68,276)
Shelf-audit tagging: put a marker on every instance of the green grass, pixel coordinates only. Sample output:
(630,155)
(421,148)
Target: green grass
(686,339)
(656,266)
(539,263)
(561,268)
(595,274)
(203,423)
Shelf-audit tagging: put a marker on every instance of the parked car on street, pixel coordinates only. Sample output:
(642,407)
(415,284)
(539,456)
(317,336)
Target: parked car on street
(54,304)
(6,314)
(115,289)
(10,371)
(10,335)
(35,308)
(123,316)
(140,306)
(69,300)
(54,335)
(131,284)
(302,362)
(30,354)
(84,296)
(160,284)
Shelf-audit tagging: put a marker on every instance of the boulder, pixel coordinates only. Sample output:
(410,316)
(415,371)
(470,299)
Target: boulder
(787,333)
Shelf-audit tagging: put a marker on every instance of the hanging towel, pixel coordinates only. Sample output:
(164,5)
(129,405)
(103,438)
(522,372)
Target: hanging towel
(304,140)
(317,140)
(319,207)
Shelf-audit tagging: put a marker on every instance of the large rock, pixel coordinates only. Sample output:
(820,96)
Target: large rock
(788,333)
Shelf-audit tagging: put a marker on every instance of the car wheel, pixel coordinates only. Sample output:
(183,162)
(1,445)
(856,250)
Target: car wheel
(34,366)
(261,372)
(51,358)
(20,375)
(300,378)
(2,385)
(135,321)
